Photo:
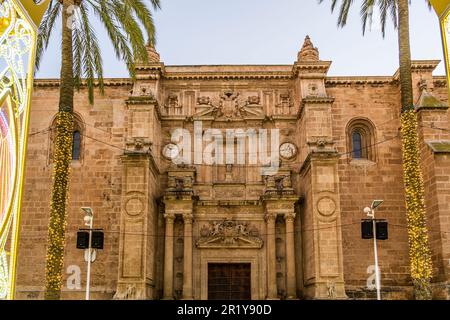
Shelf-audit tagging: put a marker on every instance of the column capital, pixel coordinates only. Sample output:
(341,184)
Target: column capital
(271,217)
(170,217)
(290,216)
(188,217)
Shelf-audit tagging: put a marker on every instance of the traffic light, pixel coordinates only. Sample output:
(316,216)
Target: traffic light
(366,229)
(82,239)
(381,227)
(382,230)
(97,239)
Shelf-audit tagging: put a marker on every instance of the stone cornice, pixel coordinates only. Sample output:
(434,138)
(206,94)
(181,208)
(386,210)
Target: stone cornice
(420,66)
(141,100)
(424,64)
(311,67)
(110,82)
(228,203)
(355,80)
(151,66)
(317,100)
(326,154)
(442,146)
(228,76)
(254,72)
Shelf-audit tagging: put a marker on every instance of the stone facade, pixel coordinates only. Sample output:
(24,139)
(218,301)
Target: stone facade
(298,229)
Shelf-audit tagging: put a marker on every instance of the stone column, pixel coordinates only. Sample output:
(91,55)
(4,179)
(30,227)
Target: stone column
(136,272)
(290,256)
(271,257)
(321,213)
(168,257)
(187,272)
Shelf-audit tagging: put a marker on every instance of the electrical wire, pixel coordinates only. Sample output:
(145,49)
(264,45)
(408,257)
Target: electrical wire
(235,153)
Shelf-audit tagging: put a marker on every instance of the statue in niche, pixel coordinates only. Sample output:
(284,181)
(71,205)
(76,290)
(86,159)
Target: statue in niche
(173,106)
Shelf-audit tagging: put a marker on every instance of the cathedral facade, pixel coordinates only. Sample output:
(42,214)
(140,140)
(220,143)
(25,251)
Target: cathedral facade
(212,227)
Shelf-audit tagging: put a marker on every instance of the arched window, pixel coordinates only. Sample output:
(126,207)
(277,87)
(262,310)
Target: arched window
(77,139)
(357,145)
(76,145)
(361,140)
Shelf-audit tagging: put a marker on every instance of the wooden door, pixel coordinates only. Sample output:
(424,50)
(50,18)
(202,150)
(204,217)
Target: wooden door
(229,281)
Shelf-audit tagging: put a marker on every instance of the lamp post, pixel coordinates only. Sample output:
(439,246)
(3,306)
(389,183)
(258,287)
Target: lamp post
(442,8)
(89,222)
(370,211)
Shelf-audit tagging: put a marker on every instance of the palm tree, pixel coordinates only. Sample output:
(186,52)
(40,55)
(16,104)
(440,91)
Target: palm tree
(419,249)
(81,58)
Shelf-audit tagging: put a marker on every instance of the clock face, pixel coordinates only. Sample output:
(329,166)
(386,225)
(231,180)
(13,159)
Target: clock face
(170,151)
(288,150)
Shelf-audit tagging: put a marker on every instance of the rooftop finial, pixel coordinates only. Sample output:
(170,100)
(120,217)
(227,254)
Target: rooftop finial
(153,55)
(308,51)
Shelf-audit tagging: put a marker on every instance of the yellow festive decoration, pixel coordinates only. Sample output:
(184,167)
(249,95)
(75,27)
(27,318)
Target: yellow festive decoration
(57,225)
(35,10)
(18,27)
(419,252)
(442,8)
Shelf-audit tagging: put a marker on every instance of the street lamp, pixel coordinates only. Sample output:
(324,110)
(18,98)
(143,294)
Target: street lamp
(89,222)
(442,8)
(370,211)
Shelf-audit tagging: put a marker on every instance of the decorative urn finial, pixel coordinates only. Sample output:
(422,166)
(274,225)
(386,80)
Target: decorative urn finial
(153,55)
(308,51)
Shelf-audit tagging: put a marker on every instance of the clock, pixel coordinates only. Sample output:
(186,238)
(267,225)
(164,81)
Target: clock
(170,151)
(288,150)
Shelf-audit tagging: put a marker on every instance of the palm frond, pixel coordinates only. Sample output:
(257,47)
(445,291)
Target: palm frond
(387,8)
(92,64)
(45,30)
(128,23)
(145,17)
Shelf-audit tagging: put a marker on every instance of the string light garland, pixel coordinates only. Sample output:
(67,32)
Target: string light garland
(419,250)
(58,204)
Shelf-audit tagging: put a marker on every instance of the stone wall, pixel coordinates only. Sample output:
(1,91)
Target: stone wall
(95,181)
(122,174)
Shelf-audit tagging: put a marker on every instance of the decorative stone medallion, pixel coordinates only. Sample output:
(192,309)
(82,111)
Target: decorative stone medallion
(326,206)
(134,206)
(288,150)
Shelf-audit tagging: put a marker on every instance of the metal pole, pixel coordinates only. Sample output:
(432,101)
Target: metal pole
(88,280)
(375,250)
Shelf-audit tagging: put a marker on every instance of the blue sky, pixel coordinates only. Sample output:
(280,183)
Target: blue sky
(270,32)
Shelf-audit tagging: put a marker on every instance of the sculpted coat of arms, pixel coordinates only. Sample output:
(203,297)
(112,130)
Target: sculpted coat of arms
(229,106)
(229,233)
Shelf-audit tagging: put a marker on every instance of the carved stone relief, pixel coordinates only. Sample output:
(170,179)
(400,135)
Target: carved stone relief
(229,234)
(173,106)
(285,104)
(229,106)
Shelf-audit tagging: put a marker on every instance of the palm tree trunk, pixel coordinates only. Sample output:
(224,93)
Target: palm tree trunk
(419,250)
(61,161)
